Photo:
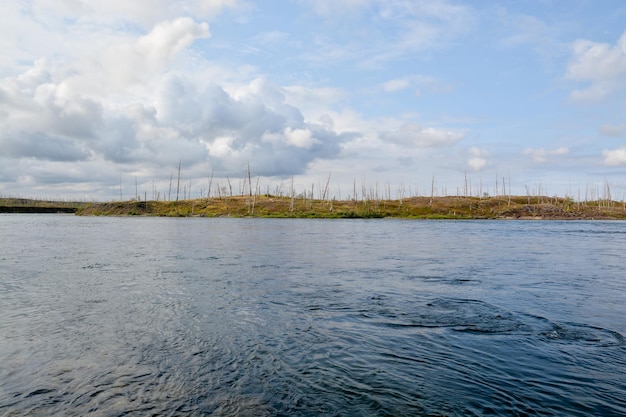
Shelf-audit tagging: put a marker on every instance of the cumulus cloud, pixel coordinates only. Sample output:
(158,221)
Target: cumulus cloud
(601,65)
(301,138)
(252,125)
(614,157)
(69,110)
(541,155)
(124,104)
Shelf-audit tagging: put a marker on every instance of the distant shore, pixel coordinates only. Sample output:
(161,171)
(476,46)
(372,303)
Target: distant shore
(28,205)
(268,206)
(34,210)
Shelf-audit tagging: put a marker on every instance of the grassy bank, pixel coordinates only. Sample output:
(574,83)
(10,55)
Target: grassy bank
(504,207)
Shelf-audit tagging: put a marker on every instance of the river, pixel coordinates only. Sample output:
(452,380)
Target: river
(145,316)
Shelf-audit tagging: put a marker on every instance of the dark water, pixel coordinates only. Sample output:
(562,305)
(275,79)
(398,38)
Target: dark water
(154,316)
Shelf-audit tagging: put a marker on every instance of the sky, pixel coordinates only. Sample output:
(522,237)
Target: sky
(102,100)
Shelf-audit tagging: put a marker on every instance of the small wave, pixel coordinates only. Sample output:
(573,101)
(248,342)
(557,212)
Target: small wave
(581,333)
(445,279)
(95,265)
(39,391)
(265,266)
(460,315)
(475,316)
(243,405)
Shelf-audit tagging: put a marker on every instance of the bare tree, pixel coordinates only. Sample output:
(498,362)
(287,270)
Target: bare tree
(249,181)
(324,194)
(432,191)
(169,193)
(178,182)
(208,194)
(292,194)
(465,189)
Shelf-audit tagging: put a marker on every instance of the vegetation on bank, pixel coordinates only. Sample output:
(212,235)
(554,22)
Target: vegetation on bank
(269,206)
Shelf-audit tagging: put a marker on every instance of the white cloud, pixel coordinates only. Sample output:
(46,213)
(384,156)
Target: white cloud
(70,110)
(601,65)
(541,155)
(69,30)
(126,61)
(302,138)
(168,38)
(253,123)
(478,152)
(478,158)
(477,163)
(615,157)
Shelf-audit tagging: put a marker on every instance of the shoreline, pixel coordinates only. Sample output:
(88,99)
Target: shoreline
(38,210)
(268,206)
(460,208)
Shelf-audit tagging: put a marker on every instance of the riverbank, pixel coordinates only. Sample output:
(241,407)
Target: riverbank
(505,207)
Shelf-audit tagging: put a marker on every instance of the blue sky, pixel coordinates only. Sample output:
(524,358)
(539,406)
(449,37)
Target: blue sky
(379,93)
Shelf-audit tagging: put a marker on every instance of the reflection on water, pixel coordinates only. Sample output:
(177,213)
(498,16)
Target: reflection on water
(223,317)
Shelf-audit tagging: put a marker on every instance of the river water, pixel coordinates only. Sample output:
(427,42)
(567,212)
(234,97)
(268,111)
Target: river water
(257,317)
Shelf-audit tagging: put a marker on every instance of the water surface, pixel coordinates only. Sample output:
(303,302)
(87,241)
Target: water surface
(159,316)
